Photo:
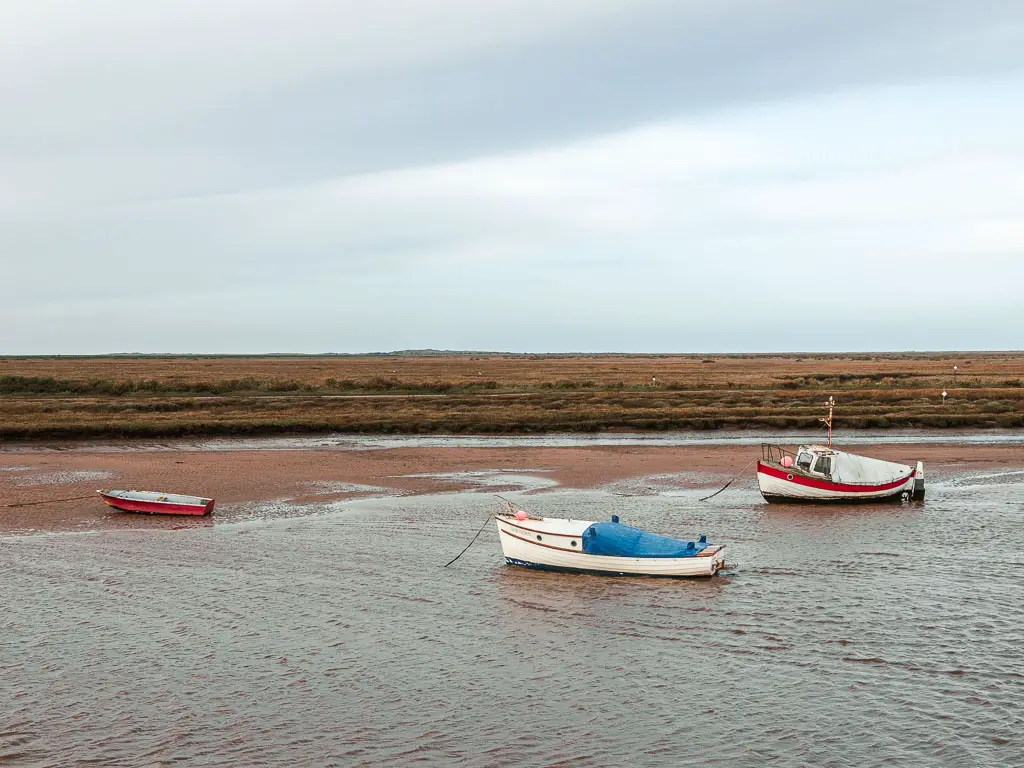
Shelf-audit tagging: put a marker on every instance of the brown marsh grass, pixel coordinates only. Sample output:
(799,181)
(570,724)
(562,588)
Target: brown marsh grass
(147,396)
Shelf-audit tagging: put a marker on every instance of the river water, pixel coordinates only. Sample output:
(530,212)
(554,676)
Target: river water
(641,439)
(863,636)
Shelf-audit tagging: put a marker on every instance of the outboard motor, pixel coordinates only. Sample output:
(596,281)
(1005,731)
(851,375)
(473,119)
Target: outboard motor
(918,494)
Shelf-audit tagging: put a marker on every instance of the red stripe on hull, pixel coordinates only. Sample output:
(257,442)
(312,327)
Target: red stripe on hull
(158,508)
(825,485)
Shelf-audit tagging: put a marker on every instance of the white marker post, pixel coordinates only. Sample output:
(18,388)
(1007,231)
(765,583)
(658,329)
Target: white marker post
(943,397)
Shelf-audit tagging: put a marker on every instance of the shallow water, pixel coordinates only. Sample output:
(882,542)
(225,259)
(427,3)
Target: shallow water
(383,442)
(862,636)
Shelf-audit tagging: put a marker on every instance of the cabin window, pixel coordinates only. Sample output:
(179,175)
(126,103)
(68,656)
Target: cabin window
(803,461)
(824,465)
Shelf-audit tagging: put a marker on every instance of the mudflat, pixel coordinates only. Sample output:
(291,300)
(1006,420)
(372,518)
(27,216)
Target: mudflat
(303,479)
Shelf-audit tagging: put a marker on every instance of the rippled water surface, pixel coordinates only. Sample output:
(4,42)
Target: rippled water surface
(574,440)
(863,636)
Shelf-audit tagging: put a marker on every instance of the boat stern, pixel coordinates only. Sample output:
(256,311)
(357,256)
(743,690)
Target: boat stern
(716,554)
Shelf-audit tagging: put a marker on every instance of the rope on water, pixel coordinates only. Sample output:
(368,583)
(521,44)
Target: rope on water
(470,543)
(46,501)
(731,481)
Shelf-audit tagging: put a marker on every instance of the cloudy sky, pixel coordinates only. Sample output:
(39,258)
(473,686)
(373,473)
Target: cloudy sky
(521,175)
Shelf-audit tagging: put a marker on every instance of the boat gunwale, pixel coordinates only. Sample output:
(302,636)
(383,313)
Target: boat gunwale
(194,501)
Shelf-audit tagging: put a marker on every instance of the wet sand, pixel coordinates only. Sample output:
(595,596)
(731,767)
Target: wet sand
(305,478)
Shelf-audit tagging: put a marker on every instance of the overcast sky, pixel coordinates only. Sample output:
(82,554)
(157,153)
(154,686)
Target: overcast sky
(520,175)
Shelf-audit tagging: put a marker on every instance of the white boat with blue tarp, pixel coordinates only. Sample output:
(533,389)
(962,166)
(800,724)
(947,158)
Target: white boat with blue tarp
(609,548)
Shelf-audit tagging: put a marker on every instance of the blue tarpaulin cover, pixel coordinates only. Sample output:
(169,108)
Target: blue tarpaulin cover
(617,540)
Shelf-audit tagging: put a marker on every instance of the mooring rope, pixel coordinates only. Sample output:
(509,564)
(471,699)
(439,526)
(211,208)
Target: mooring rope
(731,481)
(470,543)
(46,501)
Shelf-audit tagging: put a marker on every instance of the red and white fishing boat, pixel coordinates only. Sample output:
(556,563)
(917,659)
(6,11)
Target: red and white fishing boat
(156,503)
(821,474)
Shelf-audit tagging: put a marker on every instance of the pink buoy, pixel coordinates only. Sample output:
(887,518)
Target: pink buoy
(520,515)
(787,461)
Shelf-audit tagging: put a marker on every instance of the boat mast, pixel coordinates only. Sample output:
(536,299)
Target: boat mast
(828,421)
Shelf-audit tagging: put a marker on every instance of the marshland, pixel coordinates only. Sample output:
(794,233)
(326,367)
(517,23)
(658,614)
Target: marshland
(419,393)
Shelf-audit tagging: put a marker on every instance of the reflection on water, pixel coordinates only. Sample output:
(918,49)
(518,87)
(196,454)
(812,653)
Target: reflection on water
(866,636)
(61,478)
(526,479)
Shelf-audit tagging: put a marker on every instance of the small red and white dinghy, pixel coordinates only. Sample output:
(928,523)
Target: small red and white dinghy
(821,474)
(156,503)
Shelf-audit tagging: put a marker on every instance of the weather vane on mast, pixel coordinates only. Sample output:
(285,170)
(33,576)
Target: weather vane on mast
(828,420)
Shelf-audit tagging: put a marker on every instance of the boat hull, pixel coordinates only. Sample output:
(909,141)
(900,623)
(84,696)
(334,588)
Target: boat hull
(553,545)
(777,485)
(142,504)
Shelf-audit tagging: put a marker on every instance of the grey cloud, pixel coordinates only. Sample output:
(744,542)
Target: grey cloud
(657,62)
(259,182)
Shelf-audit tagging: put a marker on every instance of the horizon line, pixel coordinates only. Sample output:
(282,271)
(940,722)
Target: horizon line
(429,352)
